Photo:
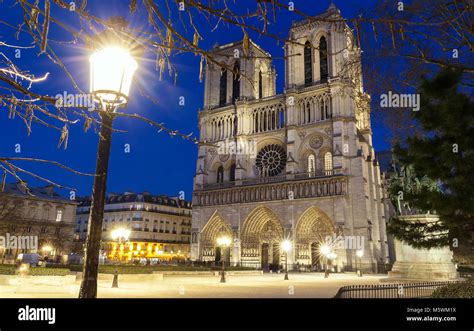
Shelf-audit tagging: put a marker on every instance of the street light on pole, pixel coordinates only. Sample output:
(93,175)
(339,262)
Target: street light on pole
(359,254)
(223,242)
(119,234)
(112,66)
(333,256)
(286,245)
(325,250)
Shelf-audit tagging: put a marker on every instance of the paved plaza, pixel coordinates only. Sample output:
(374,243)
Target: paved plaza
(300,285)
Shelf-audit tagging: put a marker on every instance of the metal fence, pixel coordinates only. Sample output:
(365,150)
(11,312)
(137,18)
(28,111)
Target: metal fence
(389,291)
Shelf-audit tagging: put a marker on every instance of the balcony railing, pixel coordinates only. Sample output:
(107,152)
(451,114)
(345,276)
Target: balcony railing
(295,186)
(273,179)
(133,209)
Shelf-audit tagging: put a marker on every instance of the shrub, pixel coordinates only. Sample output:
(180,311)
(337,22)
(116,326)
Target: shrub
(7,269)
(138,269)
(49,272)
(456,290)
(11,269)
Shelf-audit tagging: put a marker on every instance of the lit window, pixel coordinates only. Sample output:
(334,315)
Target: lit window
(311,164)
(328,161)
(59,215)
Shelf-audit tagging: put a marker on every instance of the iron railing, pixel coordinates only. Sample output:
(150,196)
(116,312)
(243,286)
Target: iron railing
(389,291)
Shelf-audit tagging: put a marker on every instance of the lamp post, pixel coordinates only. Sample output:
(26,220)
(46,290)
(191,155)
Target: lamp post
(286,245)
(325,250)
(46,249)
(333,256)
(119,234)
(359,254)
(112,65)
(223,242)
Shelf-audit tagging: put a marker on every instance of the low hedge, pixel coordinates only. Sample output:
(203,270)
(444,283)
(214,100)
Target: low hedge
(7,269)
(11,269)
(49,271)
(134,269)
(60,270)
(463,289)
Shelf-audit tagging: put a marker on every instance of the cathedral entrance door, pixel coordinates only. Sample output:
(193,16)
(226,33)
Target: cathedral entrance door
(315,258)
(265,252)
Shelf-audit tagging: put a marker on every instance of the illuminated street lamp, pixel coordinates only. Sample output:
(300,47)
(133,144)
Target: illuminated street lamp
(286,246)
(325,250)
(46,249)
(359,254)
(119,234)
(223,242)
(333,256)
(112,66)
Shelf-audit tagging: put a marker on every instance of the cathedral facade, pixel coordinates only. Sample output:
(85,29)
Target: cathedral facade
(297,166)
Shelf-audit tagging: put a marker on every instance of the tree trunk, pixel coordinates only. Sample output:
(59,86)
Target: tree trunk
(91,262)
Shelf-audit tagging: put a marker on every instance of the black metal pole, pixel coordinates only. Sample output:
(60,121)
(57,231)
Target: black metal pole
(286,265)
(326,271)
(223,265)
(115,280)
(91,261)
(357,267)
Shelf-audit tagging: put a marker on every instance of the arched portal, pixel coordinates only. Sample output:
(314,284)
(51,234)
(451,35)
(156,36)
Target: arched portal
(209,234)
(311,231)
(261,236)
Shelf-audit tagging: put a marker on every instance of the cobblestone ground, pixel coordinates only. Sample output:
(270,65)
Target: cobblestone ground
(311,285)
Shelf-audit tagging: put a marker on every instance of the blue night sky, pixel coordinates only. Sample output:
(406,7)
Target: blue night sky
(157,163)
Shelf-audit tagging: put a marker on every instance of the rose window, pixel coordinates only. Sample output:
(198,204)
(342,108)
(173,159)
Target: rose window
(271,160)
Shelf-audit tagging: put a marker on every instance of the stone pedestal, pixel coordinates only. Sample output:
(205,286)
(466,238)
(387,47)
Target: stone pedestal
(235,256)
(194,252)
(422,264)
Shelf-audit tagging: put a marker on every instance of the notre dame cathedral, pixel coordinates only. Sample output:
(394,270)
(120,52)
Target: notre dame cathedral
(303,167)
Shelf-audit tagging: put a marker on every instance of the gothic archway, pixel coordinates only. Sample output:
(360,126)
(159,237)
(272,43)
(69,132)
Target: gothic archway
(213,228)
(261,236)
(311,231)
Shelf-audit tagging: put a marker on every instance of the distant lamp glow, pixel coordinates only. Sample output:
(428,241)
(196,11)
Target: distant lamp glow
(359,254)
(223,241)
(46,248)
(286,245)
(120,233)
(325,250)
(112,70)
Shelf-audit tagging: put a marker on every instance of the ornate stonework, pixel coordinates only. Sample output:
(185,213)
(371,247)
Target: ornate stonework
(297,184)
(316,141)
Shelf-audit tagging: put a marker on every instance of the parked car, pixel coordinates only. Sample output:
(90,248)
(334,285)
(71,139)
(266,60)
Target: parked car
(73,258)
(28,258)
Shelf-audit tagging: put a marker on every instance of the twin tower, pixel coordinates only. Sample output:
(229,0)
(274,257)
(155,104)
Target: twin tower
(299,165)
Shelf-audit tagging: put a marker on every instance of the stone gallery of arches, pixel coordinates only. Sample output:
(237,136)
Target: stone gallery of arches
(304,168)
